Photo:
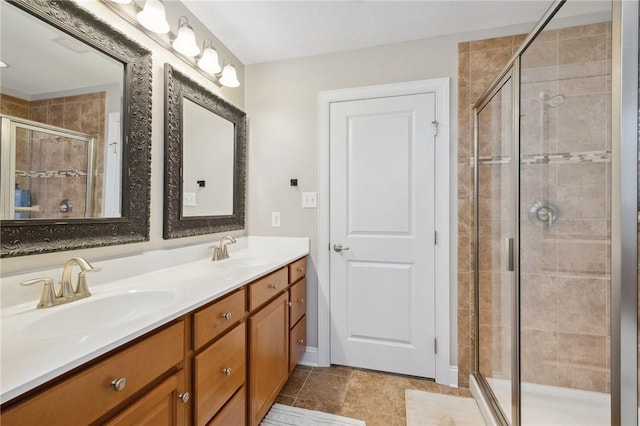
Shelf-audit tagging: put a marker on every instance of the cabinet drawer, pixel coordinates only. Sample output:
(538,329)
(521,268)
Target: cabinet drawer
(209,322)
(89,394)
(298,301)
(297,343)
(218,372)
(234,413)
(297,270)
(266,288)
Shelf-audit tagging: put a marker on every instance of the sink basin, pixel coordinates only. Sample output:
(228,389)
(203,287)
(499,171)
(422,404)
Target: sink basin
(240,262)
(83,317)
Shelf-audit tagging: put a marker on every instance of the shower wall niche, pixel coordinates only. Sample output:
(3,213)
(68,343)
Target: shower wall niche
(59,155)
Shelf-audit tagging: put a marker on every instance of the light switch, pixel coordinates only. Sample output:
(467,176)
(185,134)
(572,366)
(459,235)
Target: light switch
(275,219)
(189,199)
(309,200)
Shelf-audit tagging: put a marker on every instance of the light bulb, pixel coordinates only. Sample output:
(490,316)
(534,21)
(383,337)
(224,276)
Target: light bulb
(185,42)
(209,60)
(229,76)
(153,17)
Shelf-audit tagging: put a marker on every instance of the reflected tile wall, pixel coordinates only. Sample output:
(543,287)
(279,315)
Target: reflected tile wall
(82,113)
(565,279)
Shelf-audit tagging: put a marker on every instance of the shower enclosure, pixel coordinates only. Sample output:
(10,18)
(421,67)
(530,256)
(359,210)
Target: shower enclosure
(47,171)
(555,292)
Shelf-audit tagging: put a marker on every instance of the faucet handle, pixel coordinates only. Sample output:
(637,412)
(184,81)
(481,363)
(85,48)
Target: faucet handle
(48,295)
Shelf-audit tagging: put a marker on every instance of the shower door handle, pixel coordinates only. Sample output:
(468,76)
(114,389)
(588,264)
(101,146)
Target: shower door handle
(510,254)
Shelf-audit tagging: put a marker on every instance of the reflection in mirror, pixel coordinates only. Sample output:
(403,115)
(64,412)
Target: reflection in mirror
(205,144)
(75,108)
(61,123)
(207,164)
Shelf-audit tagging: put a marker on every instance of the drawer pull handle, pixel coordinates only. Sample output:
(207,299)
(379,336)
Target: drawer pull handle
(300,269)
(184,397)
(227,371)
(301,341)
(274,286)
(119,384)
(226,316)
(301,300)
(289,304)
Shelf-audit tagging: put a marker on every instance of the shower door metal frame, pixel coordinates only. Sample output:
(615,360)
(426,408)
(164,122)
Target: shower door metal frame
(624,215)
(511,73)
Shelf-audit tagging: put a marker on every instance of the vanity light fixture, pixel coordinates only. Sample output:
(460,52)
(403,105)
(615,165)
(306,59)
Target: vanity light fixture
(185,42)
(208,62)
(122,1)
(229,76)
(153,17)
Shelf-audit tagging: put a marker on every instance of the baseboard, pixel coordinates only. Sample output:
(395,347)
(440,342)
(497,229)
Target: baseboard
(453,376)
(310,357)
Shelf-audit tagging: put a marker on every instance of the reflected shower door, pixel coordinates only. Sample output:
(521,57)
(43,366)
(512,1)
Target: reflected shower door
(496,232)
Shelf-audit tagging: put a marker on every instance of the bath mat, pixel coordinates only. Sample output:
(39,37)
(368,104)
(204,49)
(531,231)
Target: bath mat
(284,415)
(434,409)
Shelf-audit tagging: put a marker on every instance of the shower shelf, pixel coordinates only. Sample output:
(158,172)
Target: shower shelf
(27,209)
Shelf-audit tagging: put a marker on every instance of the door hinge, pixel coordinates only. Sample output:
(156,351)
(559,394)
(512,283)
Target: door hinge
(435,237)
(435,124)
(435,345)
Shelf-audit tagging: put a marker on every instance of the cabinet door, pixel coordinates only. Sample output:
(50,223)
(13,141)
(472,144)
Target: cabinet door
(297,342)
(218,372)
(160,406)
(268,356)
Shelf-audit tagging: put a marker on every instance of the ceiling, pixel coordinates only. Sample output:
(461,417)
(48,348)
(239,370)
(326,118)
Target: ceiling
(265,31)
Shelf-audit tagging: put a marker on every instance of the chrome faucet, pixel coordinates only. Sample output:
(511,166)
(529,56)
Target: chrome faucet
(66,293)
(220,251)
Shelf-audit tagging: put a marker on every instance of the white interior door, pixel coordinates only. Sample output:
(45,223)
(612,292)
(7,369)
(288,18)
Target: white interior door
(382,196)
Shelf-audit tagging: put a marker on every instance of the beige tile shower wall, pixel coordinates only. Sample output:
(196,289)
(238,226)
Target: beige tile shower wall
(82,113)
(565,268)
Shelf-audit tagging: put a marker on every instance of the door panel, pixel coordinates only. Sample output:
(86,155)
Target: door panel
(382,212)
(496,232)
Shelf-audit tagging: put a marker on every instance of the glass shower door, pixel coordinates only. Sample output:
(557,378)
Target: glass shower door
(496,235)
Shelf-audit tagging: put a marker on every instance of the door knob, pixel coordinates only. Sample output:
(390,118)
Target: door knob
(338,247)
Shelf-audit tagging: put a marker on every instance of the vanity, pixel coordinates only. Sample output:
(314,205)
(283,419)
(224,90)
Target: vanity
(201,342)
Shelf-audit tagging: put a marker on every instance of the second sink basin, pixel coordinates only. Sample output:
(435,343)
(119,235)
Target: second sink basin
(71,319)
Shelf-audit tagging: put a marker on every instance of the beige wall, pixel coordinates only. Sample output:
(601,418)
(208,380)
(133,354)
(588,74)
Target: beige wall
(281,102)
(160,56)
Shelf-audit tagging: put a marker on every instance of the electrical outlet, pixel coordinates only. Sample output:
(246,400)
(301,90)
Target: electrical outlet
(275,219)
(309,200)
(189,199)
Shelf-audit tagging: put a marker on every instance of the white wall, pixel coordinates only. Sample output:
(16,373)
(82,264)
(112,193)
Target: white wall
(160,57)
(281,103)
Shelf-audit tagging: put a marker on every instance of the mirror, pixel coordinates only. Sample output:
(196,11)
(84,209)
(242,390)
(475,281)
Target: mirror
(75,168)
(205,156)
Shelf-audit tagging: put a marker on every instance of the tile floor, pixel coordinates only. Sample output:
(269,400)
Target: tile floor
(377,398)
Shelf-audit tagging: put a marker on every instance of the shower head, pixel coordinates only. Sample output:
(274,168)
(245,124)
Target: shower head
(551,100)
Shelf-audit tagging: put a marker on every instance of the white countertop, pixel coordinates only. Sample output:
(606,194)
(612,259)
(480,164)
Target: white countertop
(40,344)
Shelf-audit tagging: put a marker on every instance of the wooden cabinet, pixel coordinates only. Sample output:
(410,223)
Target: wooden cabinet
(219,371)
(268,356)
(96,390)
(257,331)
(298,311)
(297,342)
(234,413)
(157,407)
